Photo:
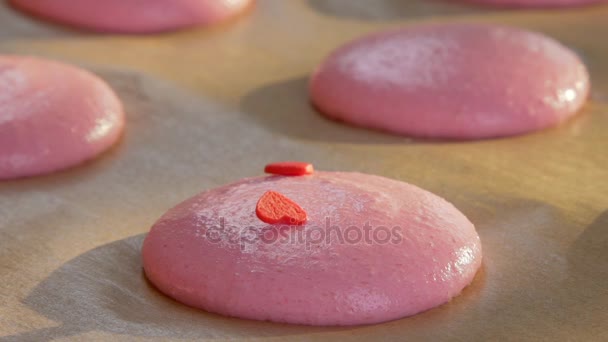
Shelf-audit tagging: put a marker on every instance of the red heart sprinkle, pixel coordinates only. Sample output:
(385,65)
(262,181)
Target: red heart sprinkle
(276,208)
(289,168)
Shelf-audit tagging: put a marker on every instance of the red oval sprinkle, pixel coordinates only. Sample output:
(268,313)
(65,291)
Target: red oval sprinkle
(289,168)
(274,207)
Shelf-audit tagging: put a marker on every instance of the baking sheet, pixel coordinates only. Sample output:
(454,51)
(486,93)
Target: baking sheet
(209,106)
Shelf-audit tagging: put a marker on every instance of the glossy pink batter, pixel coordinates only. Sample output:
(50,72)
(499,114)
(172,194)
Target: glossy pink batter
(463,81)
(538,3)
(52,116)
(250,269)
(134,16)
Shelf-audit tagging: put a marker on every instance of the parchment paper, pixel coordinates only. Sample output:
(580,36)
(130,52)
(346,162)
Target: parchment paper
(209,106)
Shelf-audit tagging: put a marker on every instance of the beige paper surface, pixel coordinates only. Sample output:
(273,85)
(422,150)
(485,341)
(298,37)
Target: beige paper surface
(207,107)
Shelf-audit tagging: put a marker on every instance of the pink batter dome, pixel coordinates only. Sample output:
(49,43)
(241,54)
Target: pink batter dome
(53,116)
(462,81)
(134,16)
(372,250)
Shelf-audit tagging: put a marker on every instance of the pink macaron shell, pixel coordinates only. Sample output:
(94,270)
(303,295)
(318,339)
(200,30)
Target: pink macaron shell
(462,81)
(134,16)
(53,116)
(213,253)
(537,3)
